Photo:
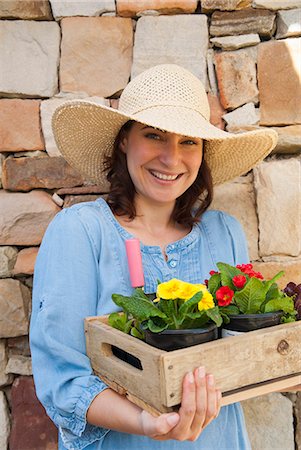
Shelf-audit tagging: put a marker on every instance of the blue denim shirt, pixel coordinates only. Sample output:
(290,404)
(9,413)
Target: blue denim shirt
(81,262)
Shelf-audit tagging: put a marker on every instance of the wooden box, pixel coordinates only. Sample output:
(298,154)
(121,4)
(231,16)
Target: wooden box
(245,366)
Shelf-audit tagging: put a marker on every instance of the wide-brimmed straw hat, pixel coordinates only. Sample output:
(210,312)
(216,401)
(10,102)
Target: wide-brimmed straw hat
(167,97)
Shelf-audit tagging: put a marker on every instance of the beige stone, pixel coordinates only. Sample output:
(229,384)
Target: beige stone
(235,42)
(93,50)
(242,22)
(14,308)
(156,42)
(18,9)
(216,111)
(8,257)
(289,139)
(26,217)
(2,158)
(25,261)
(19,364)
(32,71)
(225,5)
(288,23)
(47,109)
(298,421)
(237,198)
(279,74)
(5,378)
(20,127)
(4,422)
(269,421)
(63,8)
(276,4)
(211,72)
(28,154)
(73,199)
(25,174)
(18,345)
(280,213)
(291,268)
(243,116)
(130,8)
(236,77)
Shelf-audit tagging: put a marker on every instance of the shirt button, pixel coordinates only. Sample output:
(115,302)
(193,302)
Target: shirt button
(173,263)
(172,246)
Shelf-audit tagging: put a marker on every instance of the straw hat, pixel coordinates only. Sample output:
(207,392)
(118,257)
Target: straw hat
(167,97)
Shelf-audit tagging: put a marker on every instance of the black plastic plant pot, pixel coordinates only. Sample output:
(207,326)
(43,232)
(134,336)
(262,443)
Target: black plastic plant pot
(175,339)
(242,323)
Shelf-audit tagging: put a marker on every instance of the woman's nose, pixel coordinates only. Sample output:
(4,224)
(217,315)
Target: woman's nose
(171,154)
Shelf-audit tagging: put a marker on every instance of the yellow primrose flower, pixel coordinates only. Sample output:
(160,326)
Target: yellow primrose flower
(206,302)
(170,290)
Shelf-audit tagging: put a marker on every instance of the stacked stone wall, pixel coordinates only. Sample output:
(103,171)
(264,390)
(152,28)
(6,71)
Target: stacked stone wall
(246,52)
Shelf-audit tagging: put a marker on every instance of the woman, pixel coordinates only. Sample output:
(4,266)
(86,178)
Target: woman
(160,155)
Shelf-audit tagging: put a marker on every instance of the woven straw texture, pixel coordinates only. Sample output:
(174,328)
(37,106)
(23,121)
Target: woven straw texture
(167,97)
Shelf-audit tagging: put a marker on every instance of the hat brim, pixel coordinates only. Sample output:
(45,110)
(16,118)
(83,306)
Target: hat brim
(85,133)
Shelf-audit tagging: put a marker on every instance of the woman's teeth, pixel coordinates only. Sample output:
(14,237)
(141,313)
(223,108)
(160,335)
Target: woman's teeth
(161,176)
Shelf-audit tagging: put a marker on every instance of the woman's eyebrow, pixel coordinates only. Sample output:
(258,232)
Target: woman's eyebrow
(153,128)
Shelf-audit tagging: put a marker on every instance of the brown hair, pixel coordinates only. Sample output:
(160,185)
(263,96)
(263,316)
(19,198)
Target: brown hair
(122,190)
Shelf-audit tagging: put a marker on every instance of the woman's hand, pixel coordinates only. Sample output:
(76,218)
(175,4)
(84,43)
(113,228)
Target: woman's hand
(201,402)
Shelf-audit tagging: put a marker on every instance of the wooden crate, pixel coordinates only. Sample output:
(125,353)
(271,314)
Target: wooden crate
(245,366)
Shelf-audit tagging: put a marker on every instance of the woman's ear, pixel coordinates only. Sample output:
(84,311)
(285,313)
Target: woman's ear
(123,144)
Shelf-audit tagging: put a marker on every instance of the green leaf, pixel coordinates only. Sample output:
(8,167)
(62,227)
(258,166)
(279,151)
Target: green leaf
(120,322)
(285,304)
(139,307)
(168,307)
(250,298)
(230,309)
(156,325)
(214,283)
(227,273)
(214,315)
(136,333)
(190,304)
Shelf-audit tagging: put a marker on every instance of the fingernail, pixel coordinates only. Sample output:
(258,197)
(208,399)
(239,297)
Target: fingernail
(173,419)
(190,377)
(201,372)
(210,379)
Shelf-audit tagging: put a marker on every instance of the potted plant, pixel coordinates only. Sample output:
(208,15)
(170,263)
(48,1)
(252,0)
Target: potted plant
(182,314)
(248,302)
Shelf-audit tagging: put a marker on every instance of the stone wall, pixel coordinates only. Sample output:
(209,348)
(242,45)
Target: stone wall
(248,55)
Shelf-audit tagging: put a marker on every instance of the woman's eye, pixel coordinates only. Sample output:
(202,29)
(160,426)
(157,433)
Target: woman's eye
(189,142)
(152,136)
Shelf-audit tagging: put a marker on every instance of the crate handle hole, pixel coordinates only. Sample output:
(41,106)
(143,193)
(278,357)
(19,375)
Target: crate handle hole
(126,357)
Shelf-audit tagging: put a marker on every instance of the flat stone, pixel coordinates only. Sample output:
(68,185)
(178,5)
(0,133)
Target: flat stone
(26,217)
(298,420)
(276,4)
(236,77)
(211,72)
(82,190)
(18,346)
(291,268)
(28,154)
(102,45)
(269,421)
(5,378)
(248,21)
(225,5)
(25,174)
(14,307)
(81,8)
(157,43)
(288,23)
(279,82)
(32,71)
(4,422)
(279,214)
(8,257)
(20,127)
(128,8)
(29,10)
(289,139)
(19,365)
(73,199)
(237,198)
(216,111)
(36,432)
(25,261)
(235,42)
(2,158)
(47,110)
(243,116)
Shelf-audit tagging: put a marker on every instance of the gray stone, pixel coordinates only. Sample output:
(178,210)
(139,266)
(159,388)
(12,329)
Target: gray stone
(237,198)
(156,42)
(8,257)
(211,72)
(19,365)
(225,5)
(269,421)
(288,23)
(31,70)
(242,22)
(81,8)
(14,308)
(243,116)
(4,422)
(279,214)
(5,378)
(2,158)
(289,139)
(276,4)
(35,154)
(235,42)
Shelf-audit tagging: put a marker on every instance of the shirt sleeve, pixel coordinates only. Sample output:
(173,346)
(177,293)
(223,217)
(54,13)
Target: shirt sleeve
(65,291)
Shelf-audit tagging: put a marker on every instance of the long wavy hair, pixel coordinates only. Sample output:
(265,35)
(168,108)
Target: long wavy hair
(188,207)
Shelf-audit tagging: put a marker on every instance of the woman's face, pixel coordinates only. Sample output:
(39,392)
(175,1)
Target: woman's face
(162,165)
